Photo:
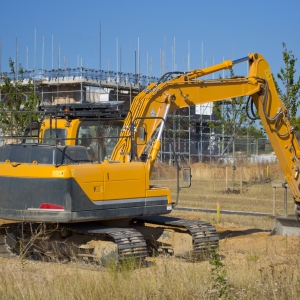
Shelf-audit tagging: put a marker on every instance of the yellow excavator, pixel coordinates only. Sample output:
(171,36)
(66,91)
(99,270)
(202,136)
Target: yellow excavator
(84,179)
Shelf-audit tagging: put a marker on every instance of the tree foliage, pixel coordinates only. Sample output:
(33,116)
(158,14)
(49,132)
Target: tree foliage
(17,97)
(290,92)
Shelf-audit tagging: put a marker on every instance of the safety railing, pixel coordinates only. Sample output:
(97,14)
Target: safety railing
(81,73)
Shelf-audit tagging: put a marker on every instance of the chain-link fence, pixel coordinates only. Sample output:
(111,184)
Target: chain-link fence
(218,149)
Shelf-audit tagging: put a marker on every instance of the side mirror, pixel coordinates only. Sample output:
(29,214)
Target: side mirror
(142,134)
(187,176)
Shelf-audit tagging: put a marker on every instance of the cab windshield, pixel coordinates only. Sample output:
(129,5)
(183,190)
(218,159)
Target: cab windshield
(99,137)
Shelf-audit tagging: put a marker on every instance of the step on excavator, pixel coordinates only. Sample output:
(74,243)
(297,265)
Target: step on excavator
(77,183)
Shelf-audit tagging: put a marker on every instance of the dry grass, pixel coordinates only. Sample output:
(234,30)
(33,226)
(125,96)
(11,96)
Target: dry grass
(256,197)
(249,274)
(209,187)
(158,281)
(250,172)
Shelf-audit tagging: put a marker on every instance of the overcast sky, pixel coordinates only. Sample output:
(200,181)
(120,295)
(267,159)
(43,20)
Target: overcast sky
(167,35)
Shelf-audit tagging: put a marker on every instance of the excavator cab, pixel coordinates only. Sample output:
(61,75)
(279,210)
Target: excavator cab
(97,126)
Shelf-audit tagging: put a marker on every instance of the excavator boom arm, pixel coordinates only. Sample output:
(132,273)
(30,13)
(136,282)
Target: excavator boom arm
(152,106)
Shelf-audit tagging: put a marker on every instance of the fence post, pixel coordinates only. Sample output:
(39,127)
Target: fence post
(274,200)
(226,179)
(256,148)
(283,185)
(241,179)
(218,212)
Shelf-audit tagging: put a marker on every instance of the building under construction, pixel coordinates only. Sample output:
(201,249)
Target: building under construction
(187,131)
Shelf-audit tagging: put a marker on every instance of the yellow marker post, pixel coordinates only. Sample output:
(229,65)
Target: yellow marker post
(267,172)
(218,212)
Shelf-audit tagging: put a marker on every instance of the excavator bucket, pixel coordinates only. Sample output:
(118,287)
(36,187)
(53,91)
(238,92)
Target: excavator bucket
(286,225)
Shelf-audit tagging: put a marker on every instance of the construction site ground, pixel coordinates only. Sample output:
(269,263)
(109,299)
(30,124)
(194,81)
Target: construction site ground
(253,264)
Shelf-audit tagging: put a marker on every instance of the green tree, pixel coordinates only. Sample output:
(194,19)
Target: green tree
(17,97)
(290,92)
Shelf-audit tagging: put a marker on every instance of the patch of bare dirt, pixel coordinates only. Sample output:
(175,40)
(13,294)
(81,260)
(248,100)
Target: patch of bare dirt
(241,245)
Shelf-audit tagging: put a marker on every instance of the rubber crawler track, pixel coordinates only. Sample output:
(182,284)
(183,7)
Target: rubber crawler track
(205,236)
(131,243)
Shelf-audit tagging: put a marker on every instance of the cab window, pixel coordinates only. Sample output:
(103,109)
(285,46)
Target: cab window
(59,134)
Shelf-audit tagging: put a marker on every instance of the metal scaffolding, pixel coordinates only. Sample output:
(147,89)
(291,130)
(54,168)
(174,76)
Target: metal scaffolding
(188,128)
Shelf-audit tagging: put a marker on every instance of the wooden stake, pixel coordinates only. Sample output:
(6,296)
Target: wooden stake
(218,212)
(241,180)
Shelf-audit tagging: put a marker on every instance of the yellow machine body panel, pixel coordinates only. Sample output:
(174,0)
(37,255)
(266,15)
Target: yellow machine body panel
(124,180)
(9,169)
(111,181)
(71,188)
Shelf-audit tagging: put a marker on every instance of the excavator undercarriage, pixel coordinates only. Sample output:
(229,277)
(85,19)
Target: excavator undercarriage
(103,244)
